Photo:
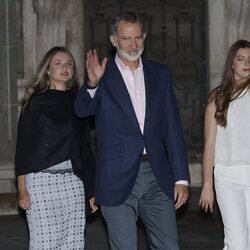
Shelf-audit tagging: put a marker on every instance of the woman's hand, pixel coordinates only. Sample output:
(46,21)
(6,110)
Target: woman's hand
(207,198)
(24,199)
(93,205)
(23,195)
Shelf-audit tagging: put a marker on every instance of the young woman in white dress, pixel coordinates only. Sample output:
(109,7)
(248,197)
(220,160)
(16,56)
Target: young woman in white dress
(226,148)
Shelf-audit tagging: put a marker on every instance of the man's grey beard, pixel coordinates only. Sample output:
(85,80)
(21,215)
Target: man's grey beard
(128,57)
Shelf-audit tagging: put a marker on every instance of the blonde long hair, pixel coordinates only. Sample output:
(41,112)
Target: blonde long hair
(41,80)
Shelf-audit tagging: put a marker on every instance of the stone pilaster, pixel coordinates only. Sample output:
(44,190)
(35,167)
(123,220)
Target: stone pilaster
(9,65)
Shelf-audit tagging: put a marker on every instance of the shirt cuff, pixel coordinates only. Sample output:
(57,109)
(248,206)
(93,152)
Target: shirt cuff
(182,182)
(92,91)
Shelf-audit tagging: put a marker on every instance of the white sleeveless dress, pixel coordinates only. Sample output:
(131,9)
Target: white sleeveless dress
(232,174)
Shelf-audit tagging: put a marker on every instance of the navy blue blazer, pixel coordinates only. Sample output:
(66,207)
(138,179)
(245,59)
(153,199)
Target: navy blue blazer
(120,141)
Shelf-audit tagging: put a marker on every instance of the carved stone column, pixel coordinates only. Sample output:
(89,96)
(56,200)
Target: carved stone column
(9,64)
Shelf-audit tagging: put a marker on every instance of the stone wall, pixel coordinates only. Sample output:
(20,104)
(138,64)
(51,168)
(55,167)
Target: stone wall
(30,27)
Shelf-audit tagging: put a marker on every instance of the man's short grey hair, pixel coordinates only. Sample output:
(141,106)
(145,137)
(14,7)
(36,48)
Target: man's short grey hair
(127,16)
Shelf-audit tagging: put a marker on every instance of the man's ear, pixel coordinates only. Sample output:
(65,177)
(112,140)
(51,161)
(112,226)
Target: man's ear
(112,40)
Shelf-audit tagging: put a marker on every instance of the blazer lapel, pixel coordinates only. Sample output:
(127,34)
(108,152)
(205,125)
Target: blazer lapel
(120,93)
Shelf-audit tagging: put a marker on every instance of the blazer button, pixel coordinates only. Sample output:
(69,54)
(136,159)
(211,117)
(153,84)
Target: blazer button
(47,145)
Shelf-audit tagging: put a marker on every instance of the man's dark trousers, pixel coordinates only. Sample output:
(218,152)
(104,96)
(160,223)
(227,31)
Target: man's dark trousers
(154,208)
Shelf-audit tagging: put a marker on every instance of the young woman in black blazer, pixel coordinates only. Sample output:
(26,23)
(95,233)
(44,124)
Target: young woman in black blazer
(54,162)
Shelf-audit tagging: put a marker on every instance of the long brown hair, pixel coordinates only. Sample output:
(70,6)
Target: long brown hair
(228,90)
(41,80)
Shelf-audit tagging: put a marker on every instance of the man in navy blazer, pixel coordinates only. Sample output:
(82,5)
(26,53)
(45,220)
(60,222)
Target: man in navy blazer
(141,166)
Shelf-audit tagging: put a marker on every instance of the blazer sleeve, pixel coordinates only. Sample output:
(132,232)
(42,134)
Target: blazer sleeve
(174,138)
(84,104)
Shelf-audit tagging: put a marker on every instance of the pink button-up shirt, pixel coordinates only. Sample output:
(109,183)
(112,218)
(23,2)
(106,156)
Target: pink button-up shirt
(134,81)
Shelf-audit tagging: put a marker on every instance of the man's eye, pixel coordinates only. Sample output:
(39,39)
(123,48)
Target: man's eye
(126,38)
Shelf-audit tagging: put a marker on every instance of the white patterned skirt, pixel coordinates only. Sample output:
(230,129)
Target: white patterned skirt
(56,219)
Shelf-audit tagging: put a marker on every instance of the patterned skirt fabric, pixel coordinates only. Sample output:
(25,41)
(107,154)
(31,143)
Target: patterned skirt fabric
(57,217)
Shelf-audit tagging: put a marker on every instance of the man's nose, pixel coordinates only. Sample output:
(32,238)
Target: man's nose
(134,43)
